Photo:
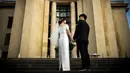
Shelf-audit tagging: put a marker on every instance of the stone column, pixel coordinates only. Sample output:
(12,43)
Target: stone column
(16,32)
(53,22)
(73,24)
(99,28)
(108,22)
(45,29)
(122,30)
(79,11)
(88,10)
(79,7)
(31,42)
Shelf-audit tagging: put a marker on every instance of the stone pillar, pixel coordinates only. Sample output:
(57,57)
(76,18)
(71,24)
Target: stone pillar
(73,24)
(122,30)
(79,11)
(110,35)
(53,22)
(16,32)
(99,28)
(79,7)
(31,42)
(45,29)
(88,10)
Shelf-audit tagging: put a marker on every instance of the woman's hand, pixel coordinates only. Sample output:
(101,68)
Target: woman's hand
(72,39)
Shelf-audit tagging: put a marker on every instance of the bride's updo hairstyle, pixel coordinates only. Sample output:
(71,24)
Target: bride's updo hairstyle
(61,20)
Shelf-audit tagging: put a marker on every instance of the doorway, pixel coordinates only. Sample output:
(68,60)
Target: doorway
(63,11)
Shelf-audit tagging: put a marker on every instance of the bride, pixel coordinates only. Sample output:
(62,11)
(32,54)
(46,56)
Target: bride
(60,36)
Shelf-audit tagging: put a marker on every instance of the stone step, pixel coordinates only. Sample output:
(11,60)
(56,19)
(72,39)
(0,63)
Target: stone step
(55,69)
(75,71)
(56,60)
(45,65)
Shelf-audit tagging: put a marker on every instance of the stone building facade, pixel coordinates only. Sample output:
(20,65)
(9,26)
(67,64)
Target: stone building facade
(26,25)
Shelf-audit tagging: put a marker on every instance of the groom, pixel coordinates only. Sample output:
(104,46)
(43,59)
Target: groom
(81,37)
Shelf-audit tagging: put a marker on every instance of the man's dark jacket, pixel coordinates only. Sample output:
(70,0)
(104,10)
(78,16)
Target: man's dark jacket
(82,31)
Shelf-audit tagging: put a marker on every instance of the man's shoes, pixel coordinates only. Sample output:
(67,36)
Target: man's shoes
(84,70)
(88,69)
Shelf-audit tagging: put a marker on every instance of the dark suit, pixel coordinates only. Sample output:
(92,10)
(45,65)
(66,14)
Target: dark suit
(81,37)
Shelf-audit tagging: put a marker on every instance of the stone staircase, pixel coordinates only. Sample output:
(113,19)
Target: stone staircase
(98,65)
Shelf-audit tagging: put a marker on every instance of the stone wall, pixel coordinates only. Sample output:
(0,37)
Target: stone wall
(4,14)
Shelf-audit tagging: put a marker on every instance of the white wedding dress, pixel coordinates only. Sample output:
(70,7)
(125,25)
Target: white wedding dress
(64,61)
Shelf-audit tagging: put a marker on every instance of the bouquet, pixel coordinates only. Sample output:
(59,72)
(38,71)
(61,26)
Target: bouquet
(71,45)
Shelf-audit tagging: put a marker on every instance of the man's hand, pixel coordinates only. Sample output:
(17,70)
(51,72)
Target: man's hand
(73,40)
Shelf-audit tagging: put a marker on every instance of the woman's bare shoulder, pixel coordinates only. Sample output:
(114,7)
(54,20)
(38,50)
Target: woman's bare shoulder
(66,24)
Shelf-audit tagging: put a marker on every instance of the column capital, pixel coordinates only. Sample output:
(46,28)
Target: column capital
(72,2)
(53,3)
(64,0)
